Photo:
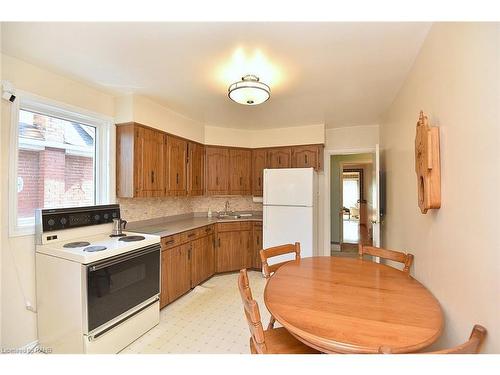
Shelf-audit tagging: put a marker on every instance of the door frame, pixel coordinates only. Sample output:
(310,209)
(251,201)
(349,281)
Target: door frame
(326,199)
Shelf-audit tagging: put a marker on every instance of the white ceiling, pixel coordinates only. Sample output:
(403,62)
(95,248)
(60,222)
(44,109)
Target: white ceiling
(340,74)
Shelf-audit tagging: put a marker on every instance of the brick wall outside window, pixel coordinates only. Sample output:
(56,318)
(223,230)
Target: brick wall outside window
(55,164)
(53,179)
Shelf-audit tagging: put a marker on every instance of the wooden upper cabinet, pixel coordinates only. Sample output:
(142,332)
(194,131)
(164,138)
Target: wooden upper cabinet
(279,157)
(176,166)
(196,163)
(151,163)
(259,163)
(307,156)
(140,162)
(217,170)
(240,169)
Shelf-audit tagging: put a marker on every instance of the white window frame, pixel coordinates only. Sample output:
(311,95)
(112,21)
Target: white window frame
(103,154)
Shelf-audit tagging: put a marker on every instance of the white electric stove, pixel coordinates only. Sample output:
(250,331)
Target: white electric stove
(96,293)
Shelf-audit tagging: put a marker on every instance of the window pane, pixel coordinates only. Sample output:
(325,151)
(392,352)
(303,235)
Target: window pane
(351,193)
(56,164)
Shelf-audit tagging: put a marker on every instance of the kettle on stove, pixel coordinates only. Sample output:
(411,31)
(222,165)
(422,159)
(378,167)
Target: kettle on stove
(117,227)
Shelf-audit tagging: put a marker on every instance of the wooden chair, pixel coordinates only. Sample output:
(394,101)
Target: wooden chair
(472,346)
(396,256)
(267,269)
(272,252)
(271,341)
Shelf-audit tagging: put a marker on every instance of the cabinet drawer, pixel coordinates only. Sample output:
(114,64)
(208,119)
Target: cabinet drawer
(205,231)
(245,225)
(228,227)
(190,235)
(170,241)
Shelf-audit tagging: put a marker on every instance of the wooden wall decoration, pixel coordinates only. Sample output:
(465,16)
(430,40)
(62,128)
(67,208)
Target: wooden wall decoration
(427,165)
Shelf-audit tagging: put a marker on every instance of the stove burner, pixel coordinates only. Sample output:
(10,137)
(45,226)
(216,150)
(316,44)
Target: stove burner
(131,238)
(72,245)
(92,249)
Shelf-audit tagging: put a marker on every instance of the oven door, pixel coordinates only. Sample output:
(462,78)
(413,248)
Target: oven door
(116,285)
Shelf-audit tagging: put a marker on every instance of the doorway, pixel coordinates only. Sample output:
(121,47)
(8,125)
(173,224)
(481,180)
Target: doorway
(352,200)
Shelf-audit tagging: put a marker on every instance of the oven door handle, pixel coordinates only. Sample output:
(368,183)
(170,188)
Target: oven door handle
(123,258)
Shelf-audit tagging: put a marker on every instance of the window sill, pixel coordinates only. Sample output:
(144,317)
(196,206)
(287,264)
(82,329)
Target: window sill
(22,231)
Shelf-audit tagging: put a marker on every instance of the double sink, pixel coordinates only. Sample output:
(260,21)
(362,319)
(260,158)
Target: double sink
(232,216)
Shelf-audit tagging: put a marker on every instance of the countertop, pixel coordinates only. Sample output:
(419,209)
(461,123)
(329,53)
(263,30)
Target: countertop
(166,226)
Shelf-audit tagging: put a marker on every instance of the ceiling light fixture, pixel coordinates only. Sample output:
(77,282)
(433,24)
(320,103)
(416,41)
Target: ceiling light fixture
(249,91)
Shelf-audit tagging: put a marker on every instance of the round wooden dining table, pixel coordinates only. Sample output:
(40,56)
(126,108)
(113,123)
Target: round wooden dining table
(346,305)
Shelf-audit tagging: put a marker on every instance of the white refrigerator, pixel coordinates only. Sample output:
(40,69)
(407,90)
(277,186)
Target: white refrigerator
(290,210)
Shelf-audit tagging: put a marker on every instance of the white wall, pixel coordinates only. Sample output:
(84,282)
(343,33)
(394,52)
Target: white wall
(145,111)
(298,135)
(352,137)
(17,259)
(456,81)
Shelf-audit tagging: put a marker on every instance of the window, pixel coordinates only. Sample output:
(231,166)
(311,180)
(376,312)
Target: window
(350,189)
(61,155)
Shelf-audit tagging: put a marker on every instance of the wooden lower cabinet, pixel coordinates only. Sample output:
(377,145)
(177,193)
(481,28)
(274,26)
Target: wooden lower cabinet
(202,259)
(234,246)
(176,272)
(254,259)
(164,279)
(191,257)
(229,255)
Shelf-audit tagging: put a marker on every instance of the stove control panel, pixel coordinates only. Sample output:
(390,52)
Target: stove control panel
(64,218)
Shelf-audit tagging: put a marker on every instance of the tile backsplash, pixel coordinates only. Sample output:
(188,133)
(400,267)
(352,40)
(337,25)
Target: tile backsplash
(134,209)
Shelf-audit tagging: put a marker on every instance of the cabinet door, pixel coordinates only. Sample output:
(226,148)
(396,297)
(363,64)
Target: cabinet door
(240,165)
(257,245)
(176,170)
(216,170)
(202,259)
(178,269)
(280,157)
(149,162)
(306,157)
(259,163)
(246,248)
(229,254)
(196,158)
(164,280)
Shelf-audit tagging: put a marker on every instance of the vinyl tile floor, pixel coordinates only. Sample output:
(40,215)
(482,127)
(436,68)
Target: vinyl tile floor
(207,320)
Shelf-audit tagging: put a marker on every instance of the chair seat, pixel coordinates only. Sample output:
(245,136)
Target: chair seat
(280,341)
